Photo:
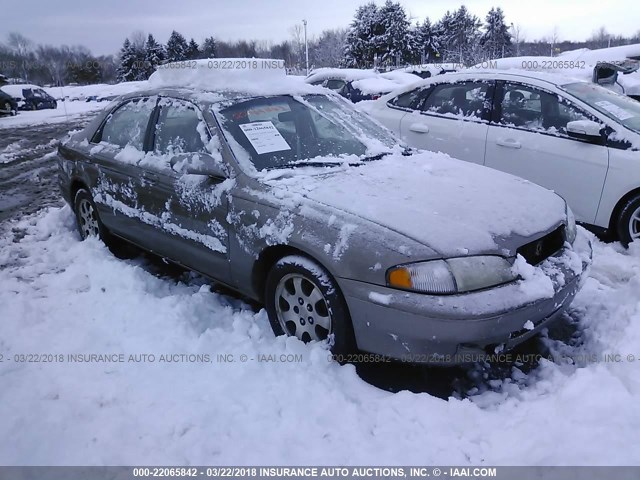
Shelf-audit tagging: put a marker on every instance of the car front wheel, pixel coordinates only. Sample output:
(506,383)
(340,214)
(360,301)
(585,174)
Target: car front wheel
(629,221)
(304,301)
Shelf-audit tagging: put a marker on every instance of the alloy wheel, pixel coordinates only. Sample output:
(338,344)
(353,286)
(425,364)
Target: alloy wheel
(302,309)
(89,226)
(634,224)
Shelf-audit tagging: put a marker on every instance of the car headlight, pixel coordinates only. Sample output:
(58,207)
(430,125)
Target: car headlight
(571,226)
(454,275)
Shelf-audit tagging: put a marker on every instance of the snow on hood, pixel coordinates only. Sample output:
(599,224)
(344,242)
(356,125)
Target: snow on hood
(451,206)
(254,76)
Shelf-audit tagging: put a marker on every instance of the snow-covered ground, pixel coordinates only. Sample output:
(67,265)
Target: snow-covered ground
(62,296)
(74,106)
(65,112)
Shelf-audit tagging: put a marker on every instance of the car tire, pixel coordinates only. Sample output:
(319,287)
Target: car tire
(87,218)
(628,227)
(303,300)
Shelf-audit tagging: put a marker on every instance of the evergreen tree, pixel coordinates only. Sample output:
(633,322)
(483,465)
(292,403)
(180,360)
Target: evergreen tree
(193,50)
(359,49)
(496,40)
(209,48)
(392,42)
(154,55)
(126,69)
(426,42)
(177,47)
(459,34)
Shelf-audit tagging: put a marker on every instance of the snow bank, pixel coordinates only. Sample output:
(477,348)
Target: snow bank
(62,296)
(66,111)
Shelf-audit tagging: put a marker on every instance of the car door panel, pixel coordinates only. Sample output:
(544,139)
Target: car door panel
(451,118)
(189,211)
(538,149)
(116,148)
(464,140)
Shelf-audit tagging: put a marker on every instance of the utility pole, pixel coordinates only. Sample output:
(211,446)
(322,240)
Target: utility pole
(306,46)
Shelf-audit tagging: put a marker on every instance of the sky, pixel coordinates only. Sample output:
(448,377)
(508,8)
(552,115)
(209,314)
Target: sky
(102,26)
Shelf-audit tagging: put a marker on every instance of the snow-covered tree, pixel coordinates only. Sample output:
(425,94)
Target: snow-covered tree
(177,47)
(127,69)
(327,50)
(392,38)
(154,55)
(426,41)
(378,34)
(496,39)
(209,48)
(193,50)
(459,34)
(359,50)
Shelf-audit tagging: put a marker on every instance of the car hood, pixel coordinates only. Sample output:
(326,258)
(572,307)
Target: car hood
(453,207)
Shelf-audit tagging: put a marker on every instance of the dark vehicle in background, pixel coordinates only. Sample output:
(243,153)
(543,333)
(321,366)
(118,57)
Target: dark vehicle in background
(351,83)
(8,105)
(30,97)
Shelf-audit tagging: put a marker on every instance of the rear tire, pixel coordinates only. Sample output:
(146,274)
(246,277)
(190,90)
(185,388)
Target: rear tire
(303,300)
(628,226)
(87,218)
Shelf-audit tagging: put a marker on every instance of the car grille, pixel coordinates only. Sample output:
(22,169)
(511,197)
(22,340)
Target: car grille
(542,248)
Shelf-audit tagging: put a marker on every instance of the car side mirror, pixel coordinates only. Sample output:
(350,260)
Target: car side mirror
(198,164)
(585,130)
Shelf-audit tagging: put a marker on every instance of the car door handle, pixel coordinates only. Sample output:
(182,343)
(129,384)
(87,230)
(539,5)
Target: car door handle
(509,143)
(419,128)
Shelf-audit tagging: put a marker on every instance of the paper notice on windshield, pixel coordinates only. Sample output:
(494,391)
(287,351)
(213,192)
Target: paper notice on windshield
(265,137)
(614,110)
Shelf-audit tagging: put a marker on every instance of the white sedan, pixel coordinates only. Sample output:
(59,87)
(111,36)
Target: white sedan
(571,136)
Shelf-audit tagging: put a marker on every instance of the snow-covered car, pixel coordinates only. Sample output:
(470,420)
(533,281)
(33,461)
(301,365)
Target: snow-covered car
(615,68)
(353,84)
(8,104)
(284,192)
(428,70)
(30,97)
(568,135)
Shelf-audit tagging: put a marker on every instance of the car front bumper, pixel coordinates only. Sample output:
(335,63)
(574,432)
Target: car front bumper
(457,329)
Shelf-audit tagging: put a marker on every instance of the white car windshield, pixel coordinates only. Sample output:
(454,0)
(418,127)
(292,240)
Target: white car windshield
(618,107)
(286,131)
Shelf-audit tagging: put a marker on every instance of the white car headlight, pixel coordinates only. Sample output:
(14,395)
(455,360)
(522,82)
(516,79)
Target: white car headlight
(454,275)
(571,226)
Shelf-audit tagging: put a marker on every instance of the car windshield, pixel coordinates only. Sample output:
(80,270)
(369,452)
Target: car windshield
(285,131)
(618,107)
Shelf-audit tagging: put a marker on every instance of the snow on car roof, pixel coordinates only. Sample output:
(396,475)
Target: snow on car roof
(16,90)
(348,74)
(376,85)
(254,76)
(553,78)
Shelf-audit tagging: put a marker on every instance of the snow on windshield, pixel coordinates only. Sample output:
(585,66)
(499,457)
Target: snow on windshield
(282,131)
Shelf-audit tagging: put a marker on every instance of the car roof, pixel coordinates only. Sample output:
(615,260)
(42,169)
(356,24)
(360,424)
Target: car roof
(516,74)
